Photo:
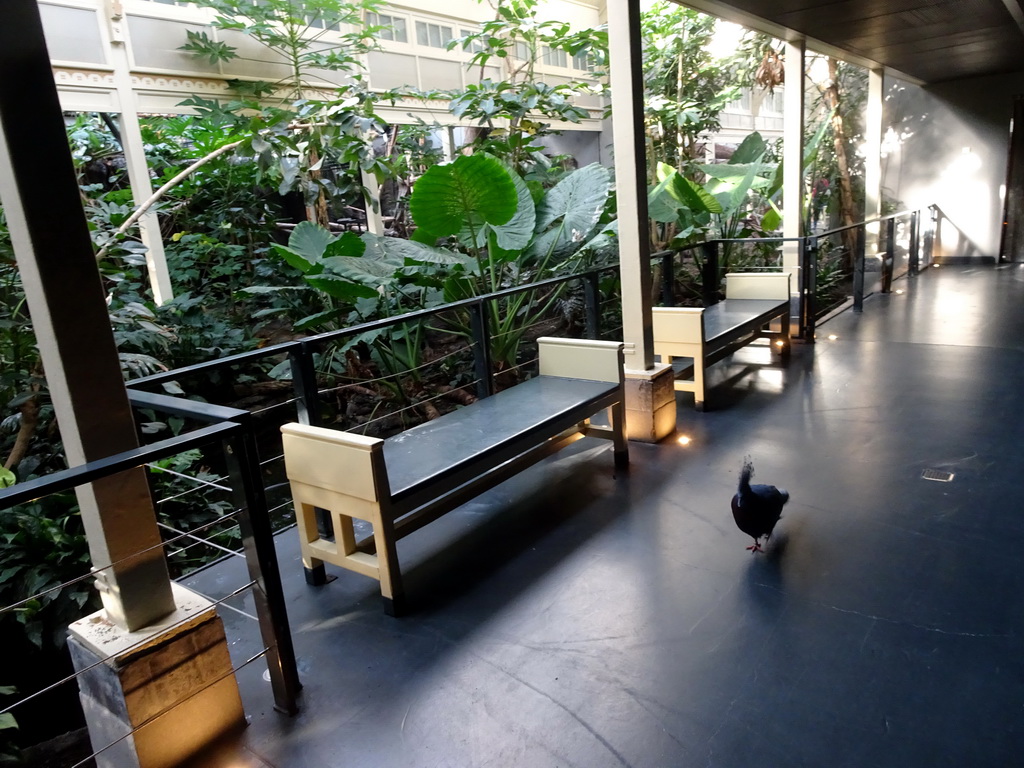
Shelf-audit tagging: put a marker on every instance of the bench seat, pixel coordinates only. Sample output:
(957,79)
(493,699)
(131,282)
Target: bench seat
(402,483)
(705,335)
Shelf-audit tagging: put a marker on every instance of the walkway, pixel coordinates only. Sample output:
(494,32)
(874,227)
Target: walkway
(573,619)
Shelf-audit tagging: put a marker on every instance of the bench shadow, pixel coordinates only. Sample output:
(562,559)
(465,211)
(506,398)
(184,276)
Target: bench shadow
(497,545)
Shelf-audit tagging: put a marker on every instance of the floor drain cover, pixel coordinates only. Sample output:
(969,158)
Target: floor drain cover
(938,475)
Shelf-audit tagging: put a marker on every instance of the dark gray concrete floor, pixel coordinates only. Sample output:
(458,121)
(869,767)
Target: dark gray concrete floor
(574,618)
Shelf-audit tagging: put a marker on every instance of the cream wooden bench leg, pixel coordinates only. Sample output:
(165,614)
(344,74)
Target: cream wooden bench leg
(698,381)
(392,589)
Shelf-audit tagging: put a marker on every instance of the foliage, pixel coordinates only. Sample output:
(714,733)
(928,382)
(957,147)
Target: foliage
(837,119)
(42,546)
(188,504)
(494,236)
(685,89)
(312,125)
(736,202)
(512,110)
(292,31)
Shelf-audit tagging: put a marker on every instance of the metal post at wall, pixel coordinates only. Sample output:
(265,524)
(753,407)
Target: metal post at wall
(808,287)
(858,269)
(914,265)
(889,256)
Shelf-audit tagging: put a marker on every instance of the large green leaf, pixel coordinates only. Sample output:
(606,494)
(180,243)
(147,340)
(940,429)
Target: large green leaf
(662,206)
(694,196)
(340,288)
(517,233)
(309,241)
(446,196)
(369,273)
(751,150)
(571,209)
(348,244)
(400,252)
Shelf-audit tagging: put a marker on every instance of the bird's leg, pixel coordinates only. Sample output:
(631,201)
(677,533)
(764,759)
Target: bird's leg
(755,547)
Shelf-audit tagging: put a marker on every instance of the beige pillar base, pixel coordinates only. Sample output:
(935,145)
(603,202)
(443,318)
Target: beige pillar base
(650,404)
(172,681)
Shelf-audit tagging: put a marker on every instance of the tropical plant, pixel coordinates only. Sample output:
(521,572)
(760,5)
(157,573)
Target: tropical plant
(479,231)
(312,122)
(685,87)
(512,111)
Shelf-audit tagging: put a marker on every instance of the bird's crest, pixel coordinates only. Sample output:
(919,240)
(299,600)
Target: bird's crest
(746,473)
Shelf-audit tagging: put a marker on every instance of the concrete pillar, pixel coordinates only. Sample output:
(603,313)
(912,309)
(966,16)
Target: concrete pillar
(793,157)
(40,196)
(135,156)
(873,160)
(51,241)
(650,416)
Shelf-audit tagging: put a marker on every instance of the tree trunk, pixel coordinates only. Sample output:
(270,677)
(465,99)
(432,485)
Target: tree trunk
(847,212)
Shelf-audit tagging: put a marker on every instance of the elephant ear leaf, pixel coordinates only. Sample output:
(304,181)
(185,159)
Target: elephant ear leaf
(447,198)
(571,209)
(306,246)
(516,234)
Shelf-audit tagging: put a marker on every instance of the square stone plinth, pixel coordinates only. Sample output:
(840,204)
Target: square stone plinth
(650,404)
(155,697)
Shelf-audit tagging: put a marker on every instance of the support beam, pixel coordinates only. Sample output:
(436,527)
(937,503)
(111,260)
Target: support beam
(793,159)
(627,95)
(374,221)
(650,400)
(135,156)
(873,145)
(42,203)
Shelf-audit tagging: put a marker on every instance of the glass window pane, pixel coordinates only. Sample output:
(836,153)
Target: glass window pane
(399,29)
(422,34)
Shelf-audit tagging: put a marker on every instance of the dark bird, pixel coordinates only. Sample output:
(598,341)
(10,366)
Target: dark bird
(757,508)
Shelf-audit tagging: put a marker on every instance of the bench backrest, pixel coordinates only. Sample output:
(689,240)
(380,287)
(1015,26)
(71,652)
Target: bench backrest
(337,461)
(757,285)
(581,359)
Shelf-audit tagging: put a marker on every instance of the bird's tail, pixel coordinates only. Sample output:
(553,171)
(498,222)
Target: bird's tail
(746,473)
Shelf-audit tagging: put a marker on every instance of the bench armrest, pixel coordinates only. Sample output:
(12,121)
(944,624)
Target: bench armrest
(338,461)
(675,325)
(581,359)
(757,285)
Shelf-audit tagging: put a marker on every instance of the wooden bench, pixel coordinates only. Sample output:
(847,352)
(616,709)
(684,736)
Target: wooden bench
(706,335)
(402,483)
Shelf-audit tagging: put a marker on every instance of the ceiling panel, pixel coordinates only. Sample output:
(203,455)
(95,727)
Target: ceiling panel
(931,40)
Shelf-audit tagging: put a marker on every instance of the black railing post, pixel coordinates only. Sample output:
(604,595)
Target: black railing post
(808,288)
(592,304)
(929,235)
(889,258)
(478,323)
(304,384)
(709,276)
(668,279)
(858,270)
(264,571)
(914,265)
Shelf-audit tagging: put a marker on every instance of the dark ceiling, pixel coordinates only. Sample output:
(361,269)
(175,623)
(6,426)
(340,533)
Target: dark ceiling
(931,40)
